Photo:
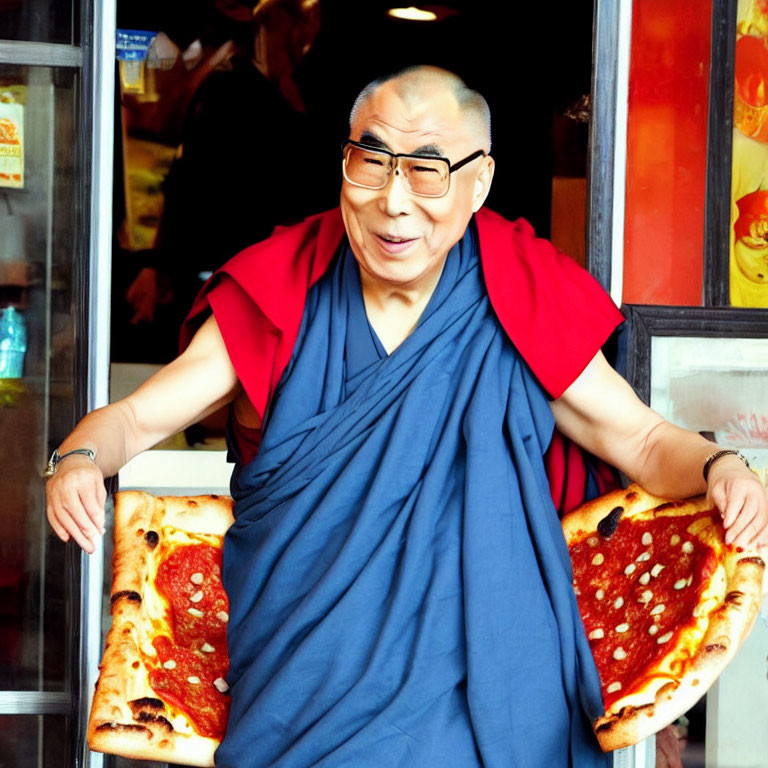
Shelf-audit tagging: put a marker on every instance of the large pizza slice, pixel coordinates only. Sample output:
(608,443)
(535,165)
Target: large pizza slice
(161,692)
(665,604)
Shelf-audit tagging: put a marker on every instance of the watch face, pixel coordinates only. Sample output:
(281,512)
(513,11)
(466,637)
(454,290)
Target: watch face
(52,462)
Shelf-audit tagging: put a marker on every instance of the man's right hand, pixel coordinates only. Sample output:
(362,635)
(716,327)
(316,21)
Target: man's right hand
(75,501)
(197,383)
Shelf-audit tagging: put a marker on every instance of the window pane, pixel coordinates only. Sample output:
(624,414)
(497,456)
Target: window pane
(36,741)
(40,21)
(39,215)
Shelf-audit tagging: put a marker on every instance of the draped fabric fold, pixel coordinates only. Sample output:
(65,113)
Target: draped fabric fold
(399,585)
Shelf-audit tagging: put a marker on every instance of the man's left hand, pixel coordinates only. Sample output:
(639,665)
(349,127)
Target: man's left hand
(742,500)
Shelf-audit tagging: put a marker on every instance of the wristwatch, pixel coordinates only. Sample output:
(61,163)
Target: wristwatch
(57,458)
(713,457)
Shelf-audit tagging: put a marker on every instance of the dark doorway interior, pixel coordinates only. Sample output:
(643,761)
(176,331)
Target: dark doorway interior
(530,63)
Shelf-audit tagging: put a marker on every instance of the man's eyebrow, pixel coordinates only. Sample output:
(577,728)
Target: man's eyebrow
(428,149)
(372,140)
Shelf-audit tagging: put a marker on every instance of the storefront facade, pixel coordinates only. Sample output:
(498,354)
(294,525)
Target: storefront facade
(659,237)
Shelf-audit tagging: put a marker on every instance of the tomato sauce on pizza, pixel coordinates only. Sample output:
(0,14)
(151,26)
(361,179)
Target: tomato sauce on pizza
(637,591)
(194,661)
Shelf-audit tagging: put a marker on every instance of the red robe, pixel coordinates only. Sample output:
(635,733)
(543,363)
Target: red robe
(553,311)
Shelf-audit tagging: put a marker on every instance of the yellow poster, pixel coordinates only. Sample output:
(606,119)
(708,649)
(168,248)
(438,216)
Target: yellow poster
(11,137)
(749,168)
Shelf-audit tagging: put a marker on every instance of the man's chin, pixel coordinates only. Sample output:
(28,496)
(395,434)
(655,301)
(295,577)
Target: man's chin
(395,273)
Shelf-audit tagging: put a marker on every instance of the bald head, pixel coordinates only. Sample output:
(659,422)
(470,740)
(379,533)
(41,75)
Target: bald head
(414,84)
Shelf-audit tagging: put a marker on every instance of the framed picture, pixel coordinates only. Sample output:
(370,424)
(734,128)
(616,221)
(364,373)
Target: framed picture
(706,371)
(736,221)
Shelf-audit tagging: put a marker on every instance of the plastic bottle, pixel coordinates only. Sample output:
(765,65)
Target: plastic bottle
(13,343)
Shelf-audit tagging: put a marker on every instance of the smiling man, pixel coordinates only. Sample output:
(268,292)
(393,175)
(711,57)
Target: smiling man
(400,591)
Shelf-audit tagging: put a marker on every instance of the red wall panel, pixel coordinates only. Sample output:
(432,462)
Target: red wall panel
(666,152)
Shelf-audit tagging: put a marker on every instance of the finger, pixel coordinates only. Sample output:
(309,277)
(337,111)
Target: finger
(733,508)
(94,510)
(739,533)
(757,533)
(717,496)
(58,529)
(74,507)
(76,533)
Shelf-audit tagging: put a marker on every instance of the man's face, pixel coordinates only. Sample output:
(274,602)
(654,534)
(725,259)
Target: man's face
(398,238)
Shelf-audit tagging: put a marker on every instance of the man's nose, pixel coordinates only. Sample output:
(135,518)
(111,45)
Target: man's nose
(396,196)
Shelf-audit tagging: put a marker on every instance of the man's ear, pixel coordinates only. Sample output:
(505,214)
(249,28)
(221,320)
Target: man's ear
(483,183)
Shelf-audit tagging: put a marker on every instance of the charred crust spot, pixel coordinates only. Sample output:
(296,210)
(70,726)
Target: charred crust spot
(608,525)
(631,496)
(128,594)
(147,701)
(214,495)
(136,665)
(629,709)
(192,503)
(669,505)
(733,597)
(604,727)
(120,727)
(152,538)
(716,648)
(148,717)
(755,560)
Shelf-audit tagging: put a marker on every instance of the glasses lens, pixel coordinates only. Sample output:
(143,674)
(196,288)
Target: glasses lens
(425,176)
(366,167)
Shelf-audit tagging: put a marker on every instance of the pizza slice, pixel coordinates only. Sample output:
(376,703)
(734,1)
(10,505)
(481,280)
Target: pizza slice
(161,692)
(665,604)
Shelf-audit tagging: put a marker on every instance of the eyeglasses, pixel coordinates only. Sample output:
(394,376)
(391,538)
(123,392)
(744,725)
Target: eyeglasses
(425,175)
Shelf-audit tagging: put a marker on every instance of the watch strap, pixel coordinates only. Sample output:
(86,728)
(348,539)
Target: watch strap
(57,458)
(713,457)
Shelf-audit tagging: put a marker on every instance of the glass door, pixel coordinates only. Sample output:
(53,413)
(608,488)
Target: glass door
(52,162)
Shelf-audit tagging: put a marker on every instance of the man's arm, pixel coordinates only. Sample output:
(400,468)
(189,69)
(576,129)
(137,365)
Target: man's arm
(601,413)
(194,385)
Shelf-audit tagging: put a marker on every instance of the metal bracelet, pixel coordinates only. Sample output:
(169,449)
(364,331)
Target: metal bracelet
(57,458)
(713,457)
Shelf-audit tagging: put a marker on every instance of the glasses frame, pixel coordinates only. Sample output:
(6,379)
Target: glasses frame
(394,163)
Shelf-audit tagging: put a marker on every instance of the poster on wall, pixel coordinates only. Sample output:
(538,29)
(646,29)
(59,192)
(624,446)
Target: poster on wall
(12,101)
(748,271)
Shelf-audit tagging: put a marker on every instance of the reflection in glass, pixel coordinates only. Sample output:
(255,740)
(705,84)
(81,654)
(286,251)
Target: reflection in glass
(40,21)
(34,741)
(39,225)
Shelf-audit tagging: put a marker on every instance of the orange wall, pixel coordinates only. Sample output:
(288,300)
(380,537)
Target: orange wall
(666,151)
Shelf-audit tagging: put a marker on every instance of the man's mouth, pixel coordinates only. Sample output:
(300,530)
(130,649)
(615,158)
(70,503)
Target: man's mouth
(395,244)
(393,239)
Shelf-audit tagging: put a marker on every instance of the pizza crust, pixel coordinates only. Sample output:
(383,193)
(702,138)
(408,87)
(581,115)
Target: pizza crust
(663,699)
(127,717)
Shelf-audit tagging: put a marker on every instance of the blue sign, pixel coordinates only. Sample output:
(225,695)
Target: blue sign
(133,44)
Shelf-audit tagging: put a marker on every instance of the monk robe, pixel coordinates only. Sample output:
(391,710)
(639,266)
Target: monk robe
(400,590)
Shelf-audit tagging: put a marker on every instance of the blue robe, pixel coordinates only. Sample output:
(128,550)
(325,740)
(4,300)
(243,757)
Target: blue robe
(399,584)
